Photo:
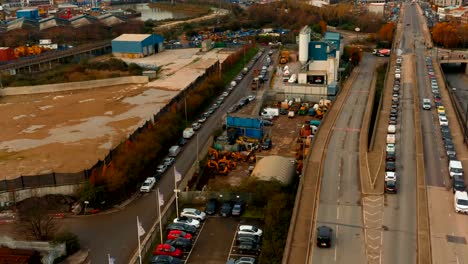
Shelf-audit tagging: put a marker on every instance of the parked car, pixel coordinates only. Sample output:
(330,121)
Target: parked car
(202,119)
(238,208)
(173,234)
(148,184)
(249,229)
(161,168)
(182,227)
(461,202)
(458,183)
(390,156)
(242,260)
(226,209)
(248,237)
(193,213)
(390,148)
(225,94)
(196,126)
(211,206)
(390,166)
(168,250)
(441,109)
(267,122)
(163,259)
(248,247)
(181,243)
(182,141)
(169,161)
(324,236)
(187,221)
(443,121)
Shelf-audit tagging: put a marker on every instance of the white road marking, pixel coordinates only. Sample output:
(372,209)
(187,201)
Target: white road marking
(336,239)
(337,212)
(195,242)
(233,241)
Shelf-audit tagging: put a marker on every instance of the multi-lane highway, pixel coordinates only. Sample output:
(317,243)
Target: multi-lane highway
(340,197)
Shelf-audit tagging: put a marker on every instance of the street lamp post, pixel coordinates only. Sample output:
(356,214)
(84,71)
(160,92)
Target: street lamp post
(86,205)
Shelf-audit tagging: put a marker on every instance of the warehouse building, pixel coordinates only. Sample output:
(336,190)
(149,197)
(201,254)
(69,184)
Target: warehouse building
(137,45)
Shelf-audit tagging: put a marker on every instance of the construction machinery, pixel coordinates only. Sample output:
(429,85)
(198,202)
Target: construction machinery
(24,51)
(284,57)
(303,109)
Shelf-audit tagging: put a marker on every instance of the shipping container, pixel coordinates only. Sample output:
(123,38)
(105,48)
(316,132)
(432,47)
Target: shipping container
(243,122)
(253,133)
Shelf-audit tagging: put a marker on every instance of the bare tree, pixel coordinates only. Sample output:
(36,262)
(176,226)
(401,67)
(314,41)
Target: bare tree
(35,221)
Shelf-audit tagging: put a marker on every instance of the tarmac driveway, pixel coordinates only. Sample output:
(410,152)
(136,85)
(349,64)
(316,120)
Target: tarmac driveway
(214,241)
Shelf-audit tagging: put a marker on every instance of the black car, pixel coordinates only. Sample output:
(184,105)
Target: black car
(390,186)
(394,106)
(390,166)
(226,209)
(248,237)
(324,236)
(458,183)
(390,156)
(446,135)
(393,112)
(448,141)
(238,208)
(181,243)
(182,227)
(182,141)
(162,259)
(249,247)
(444,129)
(211,206)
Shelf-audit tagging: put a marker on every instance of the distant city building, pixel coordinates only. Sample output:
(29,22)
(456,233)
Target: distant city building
(137,45)
(443,3)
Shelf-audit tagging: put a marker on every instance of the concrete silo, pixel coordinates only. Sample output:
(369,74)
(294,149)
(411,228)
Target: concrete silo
(304,39)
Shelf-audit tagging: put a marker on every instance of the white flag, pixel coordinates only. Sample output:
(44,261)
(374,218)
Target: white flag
(177,175)
(111,260)
(161,199)
(141,231)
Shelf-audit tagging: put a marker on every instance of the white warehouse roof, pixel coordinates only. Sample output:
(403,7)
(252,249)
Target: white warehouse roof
(275,168)
(132,37)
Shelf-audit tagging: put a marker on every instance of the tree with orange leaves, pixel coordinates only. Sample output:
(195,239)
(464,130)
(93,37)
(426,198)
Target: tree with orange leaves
(386,32)
(446,34)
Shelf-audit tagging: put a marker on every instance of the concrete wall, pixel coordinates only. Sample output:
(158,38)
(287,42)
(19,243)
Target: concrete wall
(305,90)
(60,87)
(48,251)
(20,195)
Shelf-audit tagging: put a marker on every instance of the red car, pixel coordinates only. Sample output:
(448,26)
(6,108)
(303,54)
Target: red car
(168,250)
(173,234)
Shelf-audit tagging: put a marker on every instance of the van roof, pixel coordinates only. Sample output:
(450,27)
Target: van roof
(426,100)
(461,195)
(455,164)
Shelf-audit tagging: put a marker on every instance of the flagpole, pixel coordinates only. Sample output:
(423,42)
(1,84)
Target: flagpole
(159,214)
(138,234)
(176,194)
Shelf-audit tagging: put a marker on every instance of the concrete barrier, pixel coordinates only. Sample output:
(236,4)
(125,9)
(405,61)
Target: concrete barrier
(60,87)
(20,195)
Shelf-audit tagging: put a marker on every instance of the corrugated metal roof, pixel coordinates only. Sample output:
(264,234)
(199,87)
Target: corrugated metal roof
(274,167)
(132,37)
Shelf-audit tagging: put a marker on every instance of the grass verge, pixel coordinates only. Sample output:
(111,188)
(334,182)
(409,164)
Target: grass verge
(231,73)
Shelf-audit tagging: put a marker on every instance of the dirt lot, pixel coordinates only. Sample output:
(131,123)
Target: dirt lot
(71,131)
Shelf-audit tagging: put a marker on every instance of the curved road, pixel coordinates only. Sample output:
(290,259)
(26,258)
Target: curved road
(115,233)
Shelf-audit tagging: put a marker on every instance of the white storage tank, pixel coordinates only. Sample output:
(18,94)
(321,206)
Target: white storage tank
(304,39)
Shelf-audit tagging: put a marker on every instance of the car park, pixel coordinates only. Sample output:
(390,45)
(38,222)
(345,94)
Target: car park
(324,236)
(390,166)
(163,259)
(226,209)
(182,227)
(249,229)
(193,213)
(168,250)
(161,168)
(211,206)
(187,221)
(148,184)
(461,202)
(173,234)
(181,243)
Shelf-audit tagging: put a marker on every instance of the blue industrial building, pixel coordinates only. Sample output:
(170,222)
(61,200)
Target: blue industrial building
(137,45)
(32,13)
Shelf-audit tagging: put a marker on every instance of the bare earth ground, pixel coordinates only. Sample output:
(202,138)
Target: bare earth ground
(71,131)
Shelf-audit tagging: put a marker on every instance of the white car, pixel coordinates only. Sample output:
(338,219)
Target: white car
(391,129)
(196,126)
(225,94)
(391,138)
(187,221)
(443,121)
(390,147)
(148,184)
(390,176)
(169,161)
(250,230)
(202,119)
(161,168)
(193,213)
(460,201)
(251,97)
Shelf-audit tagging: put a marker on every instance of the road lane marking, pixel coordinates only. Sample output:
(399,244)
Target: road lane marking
(336,240)
(232,244)
(337,212)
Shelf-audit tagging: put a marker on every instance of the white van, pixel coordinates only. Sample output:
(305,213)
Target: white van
(426,104)
(455,168)
(270,111)
(461,202)
(391,129)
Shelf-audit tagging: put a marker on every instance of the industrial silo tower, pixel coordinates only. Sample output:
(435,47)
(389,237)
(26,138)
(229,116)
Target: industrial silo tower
(304,39)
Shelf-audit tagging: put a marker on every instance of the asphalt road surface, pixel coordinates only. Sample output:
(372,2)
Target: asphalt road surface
(399,241)
(116,233)
(340,197)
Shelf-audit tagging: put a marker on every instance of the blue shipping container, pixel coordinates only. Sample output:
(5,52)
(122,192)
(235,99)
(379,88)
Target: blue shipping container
(253,133)
(243,122)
